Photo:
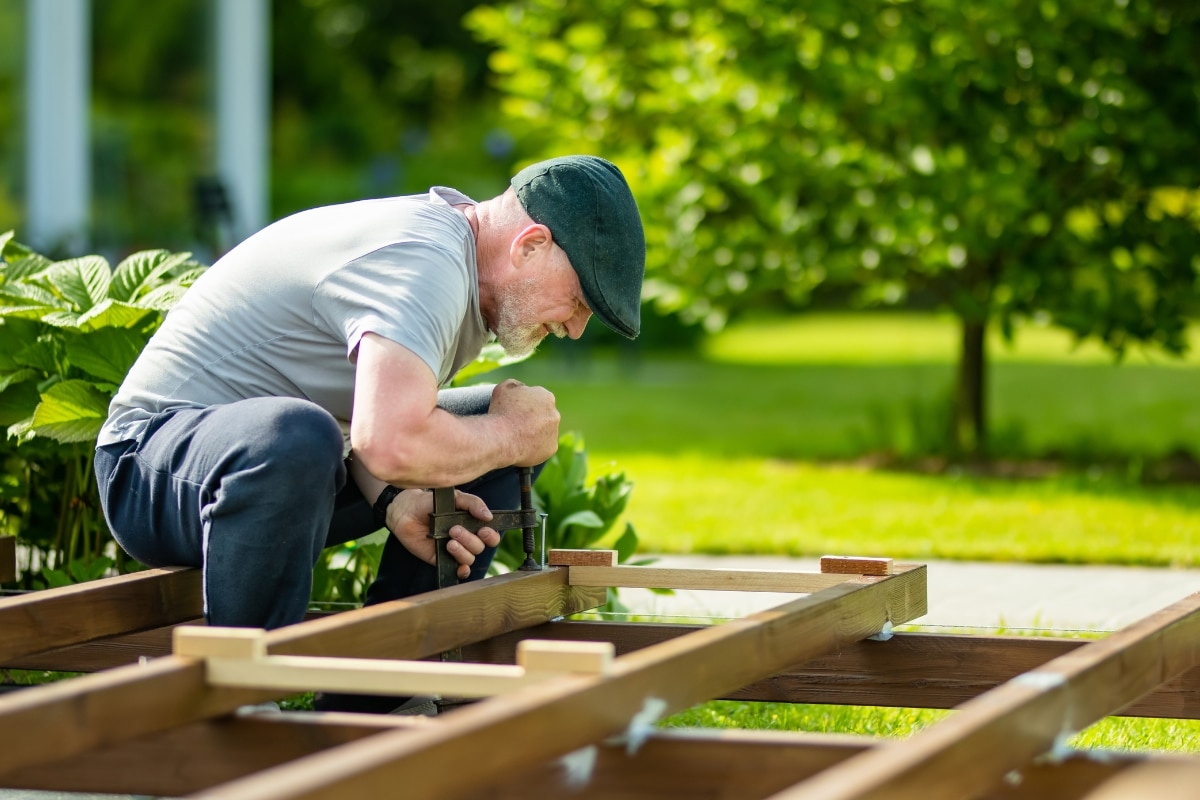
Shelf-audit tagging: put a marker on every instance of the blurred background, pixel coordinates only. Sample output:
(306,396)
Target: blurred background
(889,240)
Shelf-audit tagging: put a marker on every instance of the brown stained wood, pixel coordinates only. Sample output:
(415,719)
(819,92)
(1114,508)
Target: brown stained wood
(64,719)
(507,734)
(670,764)
(438,621)
(856,565)
(193,757)
(1004,729)
(582,558)
(73,614)
(751,765)
(8,559)
(911,670)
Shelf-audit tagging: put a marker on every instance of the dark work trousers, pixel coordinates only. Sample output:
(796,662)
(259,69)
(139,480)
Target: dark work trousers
(251,492)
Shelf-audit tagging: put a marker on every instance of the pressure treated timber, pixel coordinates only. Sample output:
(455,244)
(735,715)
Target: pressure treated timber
(8,559)
(73,614)
(506,734)
(683,764)
(856,565)
(923,670)
(582,558)
(1005,728)
(725,580)
(67,718)
(910,670)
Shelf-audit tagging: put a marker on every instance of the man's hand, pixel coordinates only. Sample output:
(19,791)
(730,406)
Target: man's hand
(531,412)
(408,520)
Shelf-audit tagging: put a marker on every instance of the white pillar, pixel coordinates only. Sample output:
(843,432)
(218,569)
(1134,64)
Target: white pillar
(58,98)
(243,109)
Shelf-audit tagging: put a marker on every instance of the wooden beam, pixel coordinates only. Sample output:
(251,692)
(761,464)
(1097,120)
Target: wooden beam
(1007,727)
(72,614)
(8,559)
(726,580)
(70,717)
(910,670)
(507,734)
(684,764)
(192,757)
(671,763)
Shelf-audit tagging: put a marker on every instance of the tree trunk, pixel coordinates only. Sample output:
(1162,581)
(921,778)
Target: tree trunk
(970,410)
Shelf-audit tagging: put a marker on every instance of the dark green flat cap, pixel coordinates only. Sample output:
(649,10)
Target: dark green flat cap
(591,213)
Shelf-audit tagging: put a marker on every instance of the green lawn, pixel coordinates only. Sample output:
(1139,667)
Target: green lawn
(757,445)
(769,440)
(1110,733)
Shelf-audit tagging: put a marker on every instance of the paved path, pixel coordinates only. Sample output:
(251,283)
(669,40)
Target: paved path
(973,595)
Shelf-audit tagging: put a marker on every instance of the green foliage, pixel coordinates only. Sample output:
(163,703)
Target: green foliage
(1004,160)
(1116,733)
(342,574)
(69,331)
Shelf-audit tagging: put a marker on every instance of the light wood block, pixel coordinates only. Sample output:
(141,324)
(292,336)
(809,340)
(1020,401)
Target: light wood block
(1004,729)
(369,676)
(204,642)
(727,580)
(563,656)
(582,558)
(855,565)
(8,559)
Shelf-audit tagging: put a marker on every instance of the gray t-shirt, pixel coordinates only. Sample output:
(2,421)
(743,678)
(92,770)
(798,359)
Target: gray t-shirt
(281,315)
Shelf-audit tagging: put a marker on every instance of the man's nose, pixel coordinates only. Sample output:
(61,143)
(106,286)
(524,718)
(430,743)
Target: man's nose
(578,322)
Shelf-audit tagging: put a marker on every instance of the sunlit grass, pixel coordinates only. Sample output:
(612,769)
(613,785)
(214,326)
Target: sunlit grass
(899,337)
(697,503)
(1112,733)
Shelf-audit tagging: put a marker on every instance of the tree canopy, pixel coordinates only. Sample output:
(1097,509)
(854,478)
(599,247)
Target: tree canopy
(1005,159)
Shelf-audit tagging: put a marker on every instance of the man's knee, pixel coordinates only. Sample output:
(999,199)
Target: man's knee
(297,432)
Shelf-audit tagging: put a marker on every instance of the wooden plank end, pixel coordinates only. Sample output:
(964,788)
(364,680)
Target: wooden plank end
(8,559)
(544,655)
(855,565)
(582,558)
(201,641)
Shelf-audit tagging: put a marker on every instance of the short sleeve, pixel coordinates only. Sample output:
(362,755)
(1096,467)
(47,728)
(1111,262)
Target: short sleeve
(414,293)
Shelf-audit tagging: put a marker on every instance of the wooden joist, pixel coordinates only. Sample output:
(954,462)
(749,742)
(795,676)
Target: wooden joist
(71,717)
(86,611)
(1005,728)
(8,559)
(683,764)
(921,670)
(725,580)
(509,733)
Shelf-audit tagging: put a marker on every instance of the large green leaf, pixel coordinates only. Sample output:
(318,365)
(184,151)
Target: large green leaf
(84,281)
(17,402)
(141,272)
(162,298)
(26,267)
(15,293)
(71,411)
(107,353)
(109,313)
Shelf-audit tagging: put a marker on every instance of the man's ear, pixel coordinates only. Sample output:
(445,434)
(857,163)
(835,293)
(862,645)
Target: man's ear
(530,243)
